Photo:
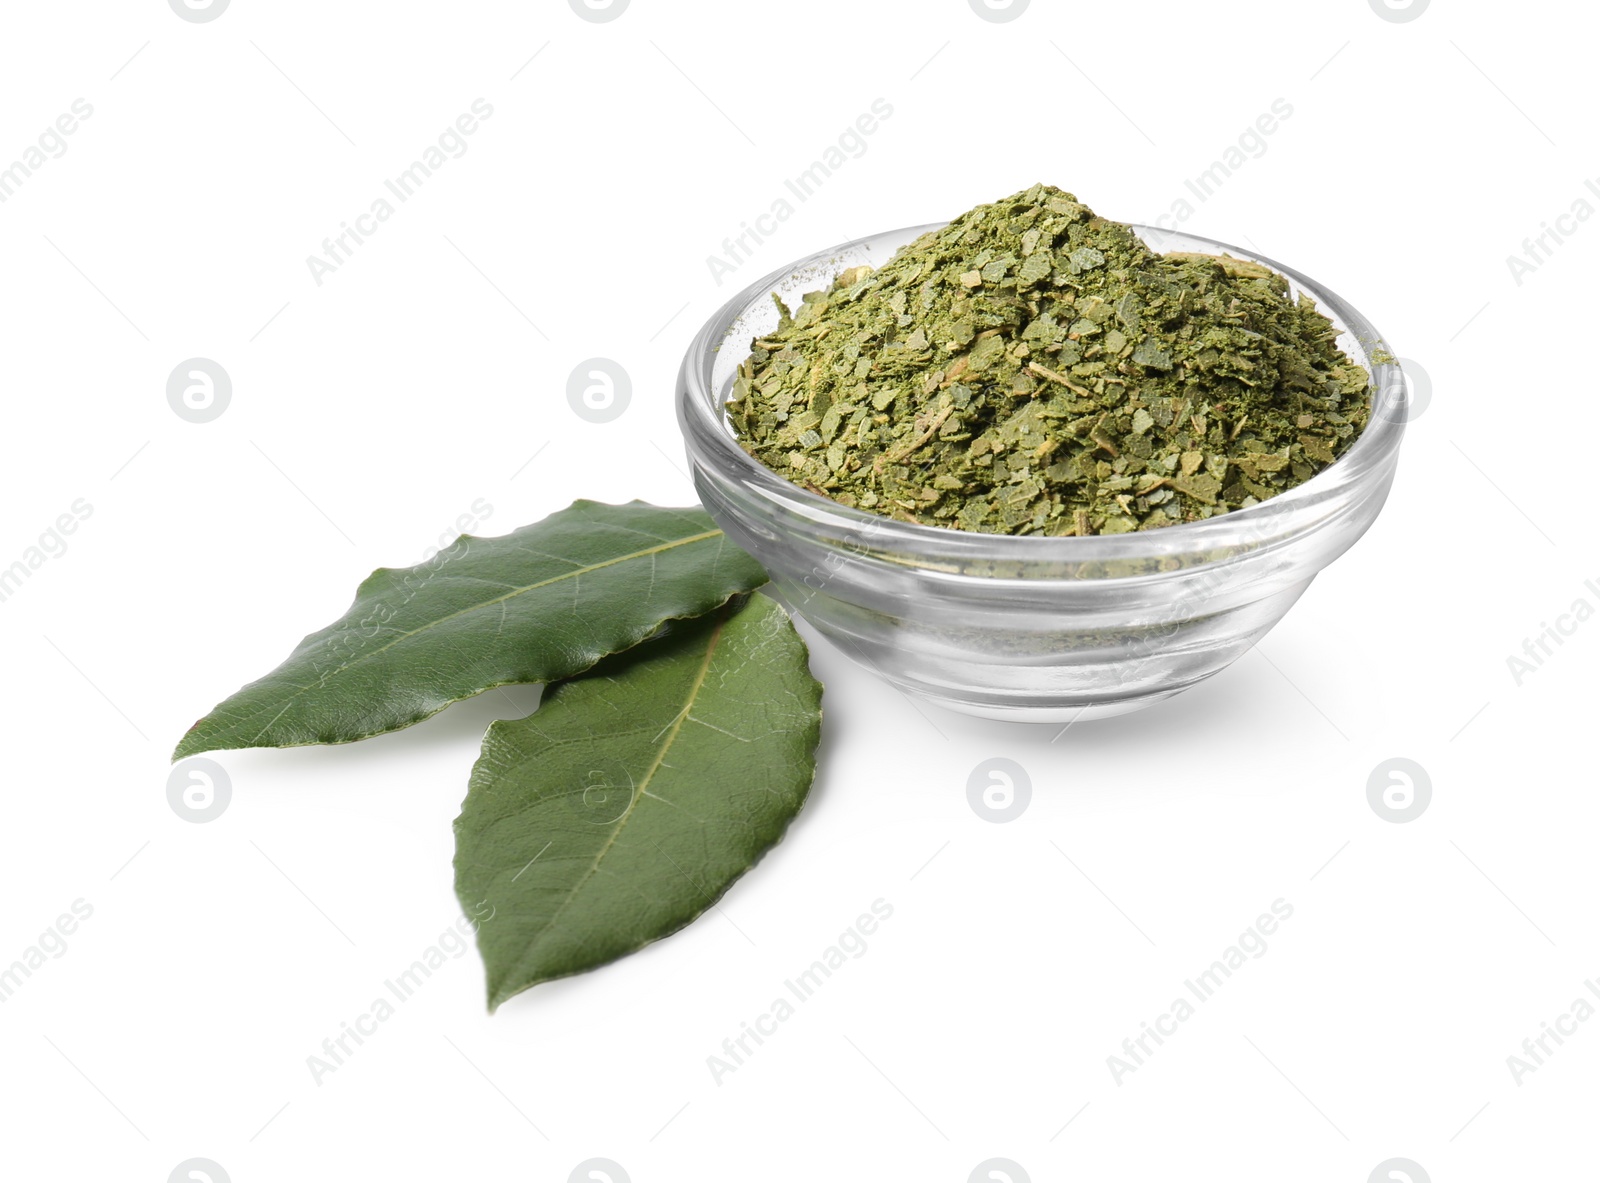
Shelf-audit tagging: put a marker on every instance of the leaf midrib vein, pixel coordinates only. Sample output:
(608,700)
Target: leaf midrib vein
(638,795)
(638,554)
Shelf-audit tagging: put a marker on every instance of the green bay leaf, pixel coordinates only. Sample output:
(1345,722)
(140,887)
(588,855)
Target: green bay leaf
(540,604)
(635,795)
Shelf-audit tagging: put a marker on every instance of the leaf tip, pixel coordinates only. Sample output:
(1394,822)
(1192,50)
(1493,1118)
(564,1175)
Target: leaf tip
(499,994)
(190,744)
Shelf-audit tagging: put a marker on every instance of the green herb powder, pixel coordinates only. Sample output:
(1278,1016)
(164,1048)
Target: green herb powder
(1033,368)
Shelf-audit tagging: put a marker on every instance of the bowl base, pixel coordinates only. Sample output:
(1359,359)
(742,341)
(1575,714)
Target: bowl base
(1048,714)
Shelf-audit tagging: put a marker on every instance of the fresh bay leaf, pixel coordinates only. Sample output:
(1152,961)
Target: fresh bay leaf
(635,795)
(540,604)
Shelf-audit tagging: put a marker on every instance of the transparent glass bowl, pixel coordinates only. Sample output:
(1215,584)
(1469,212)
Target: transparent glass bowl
(1029,628)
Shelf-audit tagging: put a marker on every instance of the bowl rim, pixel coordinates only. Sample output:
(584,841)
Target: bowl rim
(703,419)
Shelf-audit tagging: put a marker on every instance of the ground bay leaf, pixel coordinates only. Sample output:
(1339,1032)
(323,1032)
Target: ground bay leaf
(1136,357)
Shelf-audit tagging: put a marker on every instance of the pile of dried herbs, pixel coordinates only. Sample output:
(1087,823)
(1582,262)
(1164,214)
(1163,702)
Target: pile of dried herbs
(1033,368)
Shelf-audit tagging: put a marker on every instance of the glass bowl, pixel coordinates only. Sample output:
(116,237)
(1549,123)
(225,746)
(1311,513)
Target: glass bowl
(1022,627)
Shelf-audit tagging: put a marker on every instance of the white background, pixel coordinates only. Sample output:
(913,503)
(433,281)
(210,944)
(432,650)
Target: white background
(371,411)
